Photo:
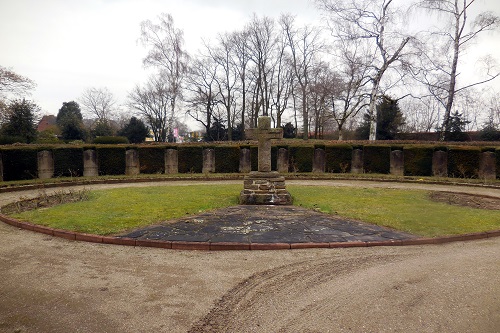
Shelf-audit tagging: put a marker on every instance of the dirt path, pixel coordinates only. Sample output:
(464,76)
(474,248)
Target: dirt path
(53,285)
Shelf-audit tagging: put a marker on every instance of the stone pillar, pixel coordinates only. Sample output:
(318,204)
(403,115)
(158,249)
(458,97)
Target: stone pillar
(397,163)
(90,168)
(171,161)
(208,160)
(357,161)
(282,160)
(440,164)
(319,161)
(487,166)
(132,166)
(45,164)
(1,168)
(245,161)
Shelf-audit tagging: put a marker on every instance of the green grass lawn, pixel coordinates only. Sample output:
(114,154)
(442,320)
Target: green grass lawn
(117,210)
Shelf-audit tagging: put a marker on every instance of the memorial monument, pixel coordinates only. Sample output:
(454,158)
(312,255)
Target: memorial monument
(264,187)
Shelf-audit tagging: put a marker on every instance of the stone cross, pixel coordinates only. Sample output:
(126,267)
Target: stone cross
(264,133)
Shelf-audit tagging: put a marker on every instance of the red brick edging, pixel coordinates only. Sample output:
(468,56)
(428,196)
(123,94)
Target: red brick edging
(226,246)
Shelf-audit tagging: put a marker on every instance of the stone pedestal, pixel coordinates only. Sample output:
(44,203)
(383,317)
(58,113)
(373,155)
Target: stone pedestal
(265,188)
(171,161)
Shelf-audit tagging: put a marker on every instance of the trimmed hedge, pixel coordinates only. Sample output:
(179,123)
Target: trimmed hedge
(111,160)
(20,161)
(338,158)
(377,159)
(254,158)
(227,159)
(68,162)
(19,164)
(152,159)
(418,160)
(190,159)
(463,162)
(301,158)
(110,140)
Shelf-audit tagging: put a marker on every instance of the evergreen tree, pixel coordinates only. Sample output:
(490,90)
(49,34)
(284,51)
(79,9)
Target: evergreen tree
(217,132)
(135,131)
(389,121)
(456,127)
(70,121)
(21,121)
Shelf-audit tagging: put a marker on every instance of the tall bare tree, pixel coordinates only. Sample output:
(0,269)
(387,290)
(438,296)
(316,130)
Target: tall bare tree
(202,94)
(352,94)
(166,53)
(262,41)
(153,102)
(371,21)
(305,47)
(453,36)
(99,103)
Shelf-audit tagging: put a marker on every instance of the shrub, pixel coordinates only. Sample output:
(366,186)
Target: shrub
(338,158)
(111,160)
(190,159)
(19,163)
(227,159)
(463,162)
(301,158)
(152,159)
(68,162)
(110,140)
(418,160)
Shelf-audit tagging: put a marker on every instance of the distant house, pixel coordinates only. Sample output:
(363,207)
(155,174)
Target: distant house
(46,123)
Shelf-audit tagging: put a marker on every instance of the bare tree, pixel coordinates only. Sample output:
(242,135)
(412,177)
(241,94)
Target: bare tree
(241,61)
(202,95)
(371,21)
(454,36)
(421,114)
(305,46)
(227,79)
(167,54)
(262,41)
(13,83)
(99,103)
(352,94)
(153,102)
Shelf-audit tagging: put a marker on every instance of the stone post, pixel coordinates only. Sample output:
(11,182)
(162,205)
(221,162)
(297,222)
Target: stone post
(440,164)
(397,163)
(171,161)
(245,161)
(282,160)
(357,161)
(132,166)
(208,160)
(45,164)
(319,162)
(90,168)
(487,165)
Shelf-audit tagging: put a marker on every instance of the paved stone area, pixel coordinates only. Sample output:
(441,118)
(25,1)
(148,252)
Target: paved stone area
(266,224)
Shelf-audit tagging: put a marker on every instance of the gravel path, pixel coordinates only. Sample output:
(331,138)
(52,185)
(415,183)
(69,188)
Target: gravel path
(49,284)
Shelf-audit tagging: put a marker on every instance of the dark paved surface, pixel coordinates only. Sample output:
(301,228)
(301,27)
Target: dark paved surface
(266,224)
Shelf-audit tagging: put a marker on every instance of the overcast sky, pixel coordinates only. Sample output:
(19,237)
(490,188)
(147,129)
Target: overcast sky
(66,46)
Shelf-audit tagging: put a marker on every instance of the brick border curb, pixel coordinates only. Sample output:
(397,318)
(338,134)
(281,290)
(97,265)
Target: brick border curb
(238,246)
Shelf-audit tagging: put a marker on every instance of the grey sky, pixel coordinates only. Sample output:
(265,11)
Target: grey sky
(66,46)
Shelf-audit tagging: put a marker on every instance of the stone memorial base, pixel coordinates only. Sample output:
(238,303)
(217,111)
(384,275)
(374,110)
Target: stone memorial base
(265,188)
